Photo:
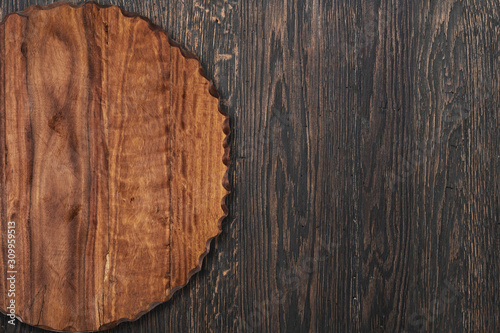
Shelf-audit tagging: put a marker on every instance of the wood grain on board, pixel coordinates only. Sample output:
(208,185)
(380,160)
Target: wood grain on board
(112,164)
(365,188)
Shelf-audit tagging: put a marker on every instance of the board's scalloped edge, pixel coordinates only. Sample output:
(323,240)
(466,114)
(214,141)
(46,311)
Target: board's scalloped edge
(225,158)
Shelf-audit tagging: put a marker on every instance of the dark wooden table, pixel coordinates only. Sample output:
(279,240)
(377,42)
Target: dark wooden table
(365,166)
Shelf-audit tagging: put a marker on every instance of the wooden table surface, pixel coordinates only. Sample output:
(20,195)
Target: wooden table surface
(365,166)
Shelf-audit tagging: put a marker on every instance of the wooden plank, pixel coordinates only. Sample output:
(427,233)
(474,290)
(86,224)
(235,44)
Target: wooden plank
(454,285)
(393,185)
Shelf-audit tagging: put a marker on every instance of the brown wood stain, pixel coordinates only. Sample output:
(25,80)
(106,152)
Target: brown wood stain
(112,164)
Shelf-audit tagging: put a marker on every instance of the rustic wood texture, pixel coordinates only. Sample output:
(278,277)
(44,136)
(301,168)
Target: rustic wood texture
(112,145)
(365,156)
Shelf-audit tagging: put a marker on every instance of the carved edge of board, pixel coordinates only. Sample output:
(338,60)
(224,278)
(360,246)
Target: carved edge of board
(225,158)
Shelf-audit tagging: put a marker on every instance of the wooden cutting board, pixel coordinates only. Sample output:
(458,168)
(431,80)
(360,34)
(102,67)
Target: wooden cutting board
(112,165)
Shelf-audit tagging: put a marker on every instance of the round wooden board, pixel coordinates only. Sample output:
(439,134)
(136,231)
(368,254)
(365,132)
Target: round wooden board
(113,159)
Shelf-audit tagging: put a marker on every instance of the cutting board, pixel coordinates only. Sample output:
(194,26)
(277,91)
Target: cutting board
(113,160)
